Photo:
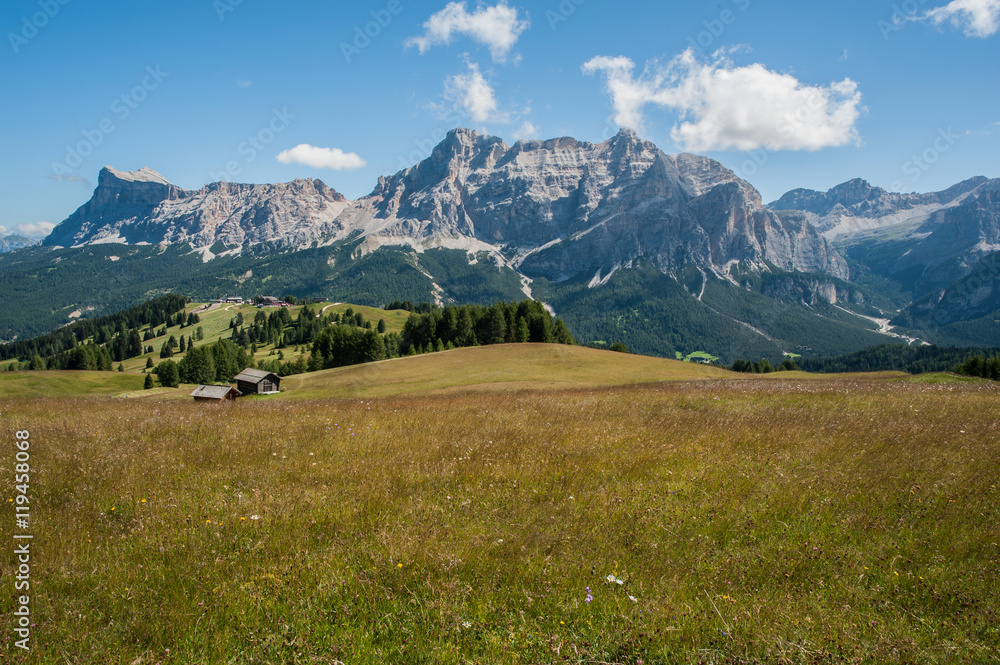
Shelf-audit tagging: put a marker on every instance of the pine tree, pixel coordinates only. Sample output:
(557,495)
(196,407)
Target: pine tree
(148,383)
(149,363)
(167,373)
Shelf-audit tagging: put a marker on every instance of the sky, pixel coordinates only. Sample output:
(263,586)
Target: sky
(788,94)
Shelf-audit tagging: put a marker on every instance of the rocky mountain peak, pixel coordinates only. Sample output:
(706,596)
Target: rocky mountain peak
(110,175)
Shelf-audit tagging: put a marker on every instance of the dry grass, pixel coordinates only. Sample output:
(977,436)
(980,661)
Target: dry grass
(752,521)
(504,367)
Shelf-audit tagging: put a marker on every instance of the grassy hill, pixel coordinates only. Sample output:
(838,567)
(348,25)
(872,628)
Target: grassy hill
(746,521)
(503,366)
(215,325)
(67,384)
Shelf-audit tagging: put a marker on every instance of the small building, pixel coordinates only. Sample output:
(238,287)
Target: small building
(214,393)
(270,301)
(233,300)
(257,382)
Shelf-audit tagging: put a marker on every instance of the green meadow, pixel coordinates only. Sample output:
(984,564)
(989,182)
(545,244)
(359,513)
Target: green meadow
(511,504)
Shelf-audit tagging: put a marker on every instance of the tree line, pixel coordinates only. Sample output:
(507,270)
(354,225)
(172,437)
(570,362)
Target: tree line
(900,358)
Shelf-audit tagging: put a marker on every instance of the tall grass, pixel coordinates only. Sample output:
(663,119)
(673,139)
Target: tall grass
(747,521)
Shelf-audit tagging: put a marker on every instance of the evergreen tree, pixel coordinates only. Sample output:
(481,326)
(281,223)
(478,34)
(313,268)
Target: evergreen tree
(198,366)
(561,334)
(148,383)
(522,334)
(166,371)
(149,363)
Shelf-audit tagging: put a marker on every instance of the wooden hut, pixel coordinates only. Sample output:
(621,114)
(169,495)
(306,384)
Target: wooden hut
(214,393)
(257,382)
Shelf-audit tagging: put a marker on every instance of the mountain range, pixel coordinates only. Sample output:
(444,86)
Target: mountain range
(673,254)
(14,241)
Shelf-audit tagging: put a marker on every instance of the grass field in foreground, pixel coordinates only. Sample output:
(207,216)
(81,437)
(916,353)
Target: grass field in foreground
(749,521)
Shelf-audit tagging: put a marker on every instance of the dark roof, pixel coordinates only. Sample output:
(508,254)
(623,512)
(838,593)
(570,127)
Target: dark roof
(256,376)
(213,392)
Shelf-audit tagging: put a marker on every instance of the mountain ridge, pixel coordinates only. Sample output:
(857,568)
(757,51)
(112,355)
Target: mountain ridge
(561,206)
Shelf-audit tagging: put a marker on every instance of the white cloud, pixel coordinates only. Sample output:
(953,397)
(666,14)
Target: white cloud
(976,18)
(527,130)
(497,27)
(39,230)
(724,107)
(322,158)
(3,229)
(244,84)
(472,94)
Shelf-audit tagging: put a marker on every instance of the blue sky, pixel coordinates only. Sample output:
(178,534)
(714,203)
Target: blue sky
(786,93)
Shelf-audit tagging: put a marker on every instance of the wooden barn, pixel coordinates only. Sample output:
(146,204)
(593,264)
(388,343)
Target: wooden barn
(257,382)
(214,393)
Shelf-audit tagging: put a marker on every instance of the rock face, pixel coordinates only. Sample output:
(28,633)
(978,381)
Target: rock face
(856,206)
(957,242)
(561,207)
(14,241)
(556,209)
(141,207)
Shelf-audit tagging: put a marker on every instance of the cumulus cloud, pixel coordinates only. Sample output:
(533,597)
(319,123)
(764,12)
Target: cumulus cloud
(976,18)
(39,230)
(724,107)
(527,130)
(497,27)
(322,158)
(472,94)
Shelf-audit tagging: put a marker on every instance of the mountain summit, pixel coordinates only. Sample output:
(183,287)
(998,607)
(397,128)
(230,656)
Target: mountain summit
(554,208)
(143,207)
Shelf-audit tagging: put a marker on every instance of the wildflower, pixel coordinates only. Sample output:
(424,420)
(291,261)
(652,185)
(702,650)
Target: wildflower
(466,624)
(633,599)
(614,580)
(399,566)
(590,596)
(255,517)
(143,501)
